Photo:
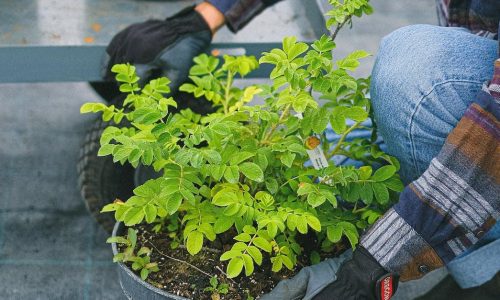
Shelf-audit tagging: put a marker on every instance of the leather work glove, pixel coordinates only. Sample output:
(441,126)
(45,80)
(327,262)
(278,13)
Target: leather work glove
(361,277)
(309,281)
(160,47)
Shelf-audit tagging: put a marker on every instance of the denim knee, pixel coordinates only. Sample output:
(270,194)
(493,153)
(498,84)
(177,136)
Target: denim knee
(425,74)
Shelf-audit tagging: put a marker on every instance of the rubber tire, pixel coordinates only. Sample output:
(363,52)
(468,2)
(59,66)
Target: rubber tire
(101,181)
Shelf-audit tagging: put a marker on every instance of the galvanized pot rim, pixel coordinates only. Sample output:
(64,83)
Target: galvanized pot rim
(167,295)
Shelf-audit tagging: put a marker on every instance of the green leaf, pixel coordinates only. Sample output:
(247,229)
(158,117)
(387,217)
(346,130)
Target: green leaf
(217,171)
(365,172)
(334,233)
(315,258)
(306,188)
(262,244)
(381,192)
(366,193)
(150,213)
(313,222)
(118,257)
(261,161)
(287,159)
(232,209)
(352,235)
(110,207)
(272,229)
(208,230)
(144,274)
(358,54)
(248,262)
(118,240)
(394,183)
(188,195)
(230,254)
(224,198)
(173,203)
(256,254)
(194,242)
(241,156)
(232,174)
(287,262)
(146,116)
(252,171)
(214,282)
(143,251)
(234,267)
(277,264)
(319,123)
(211,156)
(106,149)
(297,50)
(147,157)
(92,107)
(134,216)
(384,173)
(315,199)
(271,185)
(222,224)
(132,237)
(243,237)
(337,120)
(302,224)
(356,113)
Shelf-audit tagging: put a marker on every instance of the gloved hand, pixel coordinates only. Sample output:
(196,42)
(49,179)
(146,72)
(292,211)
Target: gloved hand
(160,47)
(309,281)
(362,277)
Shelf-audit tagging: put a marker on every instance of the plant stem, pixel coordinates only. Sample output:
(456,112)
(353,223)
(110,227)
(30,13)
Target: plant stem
(341,140)
(224,273)
(229,82)
(285,113)
(337,29)
(355,211)
(179,260)
(286,182)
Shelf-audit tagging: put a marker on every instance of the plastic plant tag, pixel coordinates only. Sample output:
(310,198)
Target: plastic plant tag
(315,153)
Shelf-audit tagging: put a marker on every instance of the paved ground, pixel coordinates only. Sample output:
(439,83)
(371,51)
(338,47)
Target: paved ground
(50,248)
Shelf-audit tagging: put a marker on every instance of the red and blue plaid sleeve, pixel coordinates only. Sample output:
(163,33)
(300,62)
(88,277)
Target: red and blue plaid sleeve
(453,204)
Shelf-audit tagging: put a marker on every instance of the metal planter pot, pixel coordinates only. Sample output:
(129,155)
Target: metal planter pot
(132,285)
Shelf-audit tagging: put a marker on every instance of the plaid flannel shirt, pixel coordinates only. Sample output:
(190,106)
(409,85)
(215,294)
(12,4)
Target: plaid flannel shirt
(457,199)
(452,205)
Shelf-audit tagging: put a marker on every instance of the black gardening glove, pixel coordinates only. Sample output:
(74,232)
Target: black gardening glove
(160,47)
(360,278)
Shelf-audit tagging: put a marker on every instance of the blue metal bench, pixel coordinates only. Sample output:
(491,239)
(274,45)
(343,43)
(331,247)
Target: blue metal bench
(61,40)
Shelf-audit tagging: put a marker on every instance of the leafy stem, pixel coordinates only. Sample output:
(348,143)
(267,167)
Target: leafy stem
(341,140)
(227,89)
(286,112)
(337,29)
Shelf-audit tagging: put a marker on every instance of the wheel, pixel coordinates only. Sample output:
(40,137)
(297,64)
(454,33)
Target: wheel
(101,181)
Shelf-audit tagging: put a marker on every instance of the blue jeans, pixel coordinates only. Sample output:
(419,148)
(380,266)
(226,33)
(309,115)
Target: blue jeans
(423,80)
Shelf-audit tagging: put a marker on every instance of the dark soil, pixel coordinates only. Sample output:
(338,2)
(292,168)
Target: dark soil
(178,275)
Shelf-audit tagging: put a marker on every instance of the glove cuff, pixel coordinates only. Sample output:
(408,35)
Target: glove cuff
(386,286)
(383,283)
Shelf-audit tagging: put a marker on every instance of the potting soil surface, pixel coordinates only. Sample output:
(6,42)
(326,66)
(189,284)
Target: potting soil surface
(50,247)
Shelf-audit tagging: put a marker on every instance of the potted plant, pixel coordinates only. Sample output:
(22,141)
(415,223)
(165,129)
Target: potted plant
(249,193)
